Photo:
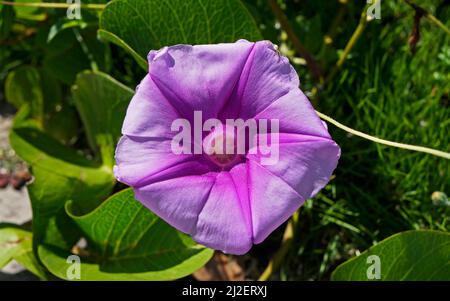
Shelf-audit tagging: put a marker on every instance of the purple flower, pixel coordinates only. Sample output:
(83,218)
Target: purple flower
(226,202)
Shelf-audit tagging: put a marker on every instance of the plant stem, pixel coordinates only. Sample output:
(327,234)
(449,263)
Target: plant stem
(288,236)
(299,47)
(54,5)
(416,148)
(351,43)
(85,49)
(279,256)
(428,15)
(438,23)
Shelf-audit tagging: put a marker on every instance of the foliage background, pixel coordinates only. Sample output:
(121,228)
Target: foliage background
(387,87)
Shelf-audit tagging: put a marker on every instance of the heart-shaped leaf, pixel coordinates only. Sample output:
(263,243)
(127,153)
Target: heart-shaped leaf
(72,51)
(102,102)
(63,24)
(23,86)
(42,93)
(129,242)
(60,173)
(411,255)
(143,25)
(109,36)
(16,243)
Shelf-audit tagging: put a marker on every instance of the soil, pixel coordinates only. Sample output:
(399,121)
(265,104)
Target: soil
(14,204)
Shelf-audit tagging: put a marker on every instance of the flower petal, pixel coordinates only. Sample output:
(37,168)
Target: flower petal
(272,201)
(224,210)
(266,77)
(295,115)
(178,200)
(305,163)
(200,77)
(223,223)
(149,113)
(141,161)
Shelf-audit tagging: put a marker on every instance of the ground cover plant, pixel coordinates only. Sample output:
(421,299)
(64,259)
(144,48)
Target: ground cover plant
(382,68)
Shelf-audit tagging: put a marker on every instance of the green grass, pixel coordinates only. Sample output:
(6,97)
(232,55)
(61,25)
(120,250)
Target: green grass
(387,91)
(383,89)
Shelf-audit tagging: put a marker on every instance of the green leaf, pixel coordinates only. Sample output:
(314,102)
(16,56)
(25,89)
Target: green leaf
(42,92)
(143,25)
(102,102)
(62,124)
(65,57)
(63,174)
(16,243)
(63,24)
(411,255)
(130,243)
(30,13)
(61,119)
(51,90)
(23,86)
(110,37)
(60,174)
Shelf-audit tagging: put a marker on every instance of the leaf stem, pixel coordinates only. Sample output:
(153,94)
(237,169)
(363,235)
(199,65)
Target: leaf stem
(438,23)
(279,256)
(428,15)
(85,49)
(54,5)
(416,148)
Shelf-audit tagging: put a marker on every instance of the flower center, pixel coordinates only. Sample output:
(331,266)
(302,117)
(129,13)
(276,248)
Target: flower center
(220,146)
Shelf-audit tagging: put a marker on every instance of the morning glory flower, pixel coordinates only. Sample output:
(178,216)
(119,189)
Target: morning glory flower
(225,200)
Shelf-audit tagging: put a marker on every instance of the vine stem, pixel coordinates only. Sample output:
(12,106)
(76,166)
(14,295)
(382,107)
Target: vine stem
(288,236)
(429,16)
(85,49)
(351,43)
(54,5)
(411,147)
(438,23)
(277,259)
